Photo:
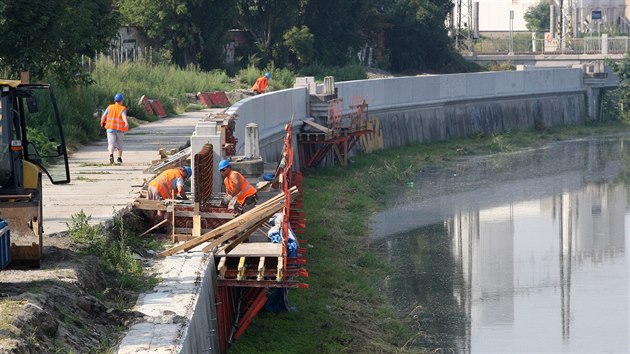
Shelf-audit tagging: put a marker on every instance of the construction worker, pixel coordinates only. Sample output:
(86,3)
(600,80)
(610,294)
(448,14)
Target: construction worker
(260,86)
(167,185)
(114,120)
(240,195)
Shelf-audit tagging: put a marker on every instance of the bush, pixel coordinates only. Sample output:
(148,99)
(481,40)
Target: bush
(114,252)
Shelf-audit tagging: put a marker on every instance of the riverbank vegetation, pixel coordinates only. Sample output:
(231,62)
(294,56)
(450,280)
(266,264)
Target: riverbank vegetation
(346,308)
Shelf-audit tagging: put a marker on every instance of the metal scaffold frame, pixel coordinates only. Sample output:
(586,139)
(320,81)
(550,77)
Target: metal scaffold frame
(338,138)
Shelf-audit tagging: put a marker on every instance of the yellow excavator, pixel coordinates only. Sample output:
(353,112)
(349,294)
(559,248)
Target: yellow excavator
(31,144)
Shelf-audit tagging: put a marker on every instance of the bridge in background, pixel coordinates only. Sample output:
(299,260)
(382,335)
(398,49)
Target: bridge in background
(548,52)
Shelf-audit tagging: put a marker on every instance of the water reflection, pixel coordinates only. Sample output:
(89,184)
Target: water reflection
(522,264)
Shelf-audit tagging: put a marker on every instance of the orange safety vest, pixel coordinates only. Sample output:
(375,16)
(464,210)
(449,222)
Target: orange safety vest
(164,182)
(245,186)
(261,85)
(114,117)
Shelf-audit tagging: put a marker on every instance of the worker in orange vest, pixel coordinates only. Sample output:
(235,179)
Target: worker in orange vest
(167,185)
(240,195)
(260,86)
(114,120)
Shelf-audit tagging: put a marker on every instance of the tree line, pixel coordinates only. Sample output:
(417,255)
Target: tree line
(50,36)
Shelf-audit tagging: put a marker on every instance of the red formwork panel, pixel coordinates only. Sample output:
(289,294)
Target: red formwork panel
(146,105)
(219,99)
(204,98)
(158,109)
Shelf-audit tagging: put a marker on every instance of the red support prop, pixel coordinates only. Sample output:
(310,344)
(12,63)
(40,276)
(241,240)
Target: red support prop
(251,312)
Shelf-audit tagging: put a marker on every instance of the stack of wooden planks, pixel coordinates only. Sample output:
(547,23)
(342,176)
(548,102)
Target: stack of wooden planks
(235,231)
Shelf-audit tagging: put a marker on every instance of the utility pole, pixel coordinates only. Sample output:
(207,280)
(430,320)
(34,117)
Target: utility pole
(564,21)
(464,24)
(511,50)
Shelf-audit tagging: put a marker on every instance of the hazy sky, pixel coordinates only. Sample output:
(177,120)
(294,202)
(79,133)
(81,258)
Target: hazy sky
(494,15)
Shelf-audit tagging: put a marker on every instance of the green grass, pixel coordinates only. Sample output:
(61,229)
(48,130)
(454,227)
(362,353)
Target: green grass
(113,250)
(9,309)
(345,309)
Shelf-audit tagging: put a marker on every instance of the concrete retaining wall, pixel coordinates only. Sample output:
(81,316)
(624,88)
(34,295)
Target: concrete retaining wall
(431,107)
(271,111)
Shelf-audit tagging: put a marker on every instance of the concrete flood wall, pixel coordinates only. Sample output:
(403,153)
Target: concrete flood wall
(271,111)
(431,107)
(440,107)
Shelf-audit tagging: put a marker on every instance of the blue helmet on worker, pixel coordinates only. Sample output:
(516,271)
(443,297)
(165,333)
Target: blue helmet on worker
(268,75)
(118,97)
(188,171)
(224,164)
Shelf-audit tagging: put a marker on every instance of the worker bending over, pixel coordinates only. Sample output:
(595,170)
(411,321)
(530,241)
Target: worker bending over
(260,86)
(240,195)
(167,185)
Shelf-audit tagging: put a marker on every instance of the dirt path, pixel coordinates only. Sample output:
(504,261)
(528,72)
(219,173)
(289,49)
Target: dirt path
(67,305)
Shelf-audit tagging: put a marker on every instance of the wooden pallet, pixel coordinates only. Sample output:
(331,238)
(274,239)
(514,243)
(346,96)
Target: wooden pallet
(251,261)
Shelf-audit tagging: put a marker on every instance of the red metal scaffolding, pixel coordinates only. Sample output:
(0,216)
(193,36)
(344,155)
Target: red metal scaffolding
(338,138)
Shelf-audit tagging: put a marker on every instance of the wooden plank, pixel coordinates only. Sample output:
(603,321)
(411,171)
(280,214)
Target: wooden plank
(153,227)
(241,269)
(317,126)
(145,204)
(254,249)
(279,274)
(174,159)
(261,269)
(244,236)
(222,268)
(234,226)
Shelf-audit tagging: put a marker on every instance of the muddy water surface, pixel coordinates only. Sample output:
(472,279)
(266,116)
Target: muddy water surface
(522,252)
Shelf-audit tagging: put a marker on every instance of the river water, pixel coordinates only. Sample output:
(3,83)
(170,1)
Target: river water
(521,252)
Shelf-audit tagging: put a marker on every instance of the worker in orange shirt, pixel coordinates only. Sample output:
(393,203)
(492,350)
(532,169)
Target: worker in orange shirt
(166,185)
(114,120)
(260,86)
(240,195)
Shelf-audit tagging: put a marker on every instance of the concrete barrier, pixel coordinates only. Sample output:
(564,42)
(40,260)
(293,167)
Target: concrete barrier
(430,107)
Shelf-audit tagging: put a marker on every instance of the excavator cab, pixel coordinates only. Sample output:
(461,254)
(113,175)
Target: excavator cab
(31,144)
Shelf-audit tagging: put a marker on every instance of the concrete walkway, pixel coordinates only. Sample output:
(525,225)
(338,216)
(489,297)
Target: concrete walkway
(100,189)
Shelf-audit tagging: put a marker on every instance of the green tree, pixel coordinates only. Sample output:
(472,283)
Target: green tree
(416,37)
(537,17)
(267,21)
(299,41)
(191,30)
(622,69)
(340,28)
(49,37)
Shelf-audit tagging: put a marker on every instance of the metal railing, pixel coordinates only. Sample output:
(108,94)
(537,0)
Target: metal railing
(589,45)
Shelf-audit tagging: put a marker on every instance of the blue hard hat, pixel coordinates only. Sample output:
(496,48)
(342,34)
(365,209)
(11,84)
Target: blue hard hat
(118,97)
(188,171)
(223,164)
(268,75)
